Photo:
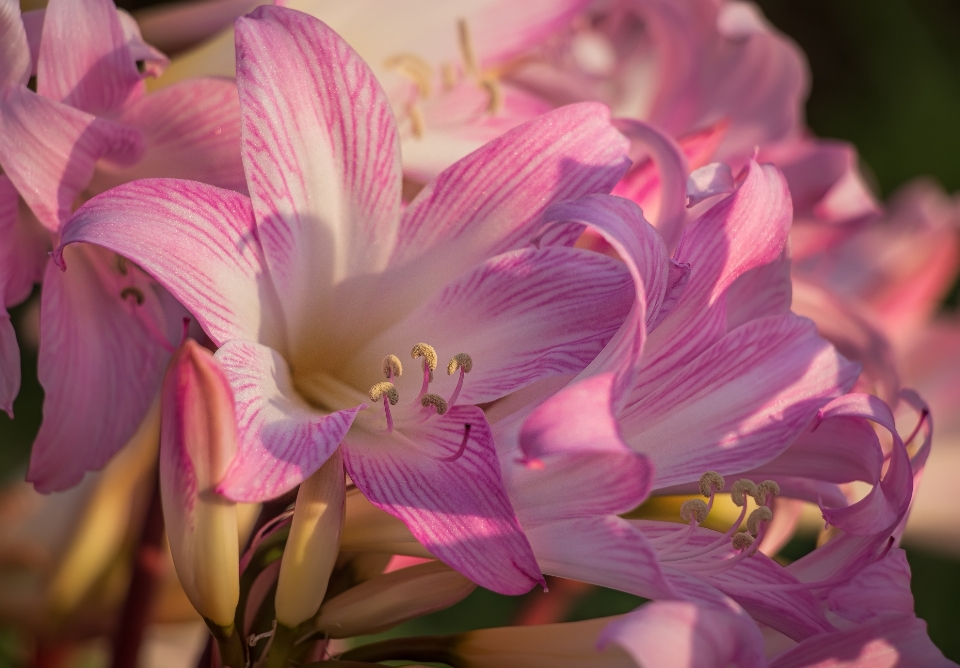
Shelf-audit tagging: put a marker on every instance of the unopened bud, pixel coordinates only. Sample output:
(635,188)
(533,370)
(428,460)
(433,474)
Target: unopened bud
(198,440)
(313,544)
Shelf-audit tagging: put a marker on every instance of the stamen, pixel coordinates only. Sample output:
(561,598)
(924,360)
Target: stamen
(418,123)
(761,514)
(470,62)
(742,541)
(766,489)
(134,292)
(463,446)
(390,396)
(710,483)
(387,390)
(495,91)
(434,400)
(741,489)
(694,510)
(429,355)
(449,76)
(414,68)
(463,362)
(392,367)
(122,265)
(460,361)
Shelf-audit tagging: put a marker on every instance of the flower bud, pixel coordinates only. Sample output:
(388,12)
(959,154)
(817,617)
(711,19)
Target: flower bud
(313,544)
(198,440)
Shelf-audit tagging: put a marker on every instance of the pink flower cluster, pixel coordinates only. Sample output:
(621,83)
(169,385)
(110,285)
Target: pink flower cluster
(485,283)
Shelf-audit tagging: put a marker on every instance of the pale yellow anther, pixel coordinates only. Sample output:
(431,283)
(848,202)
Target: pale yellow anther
(426,351)
(768,488)
(418,123)
(392,367)
(436,401)
(378,391)
(449,76)
(694,509)
(741,541)
(761,514)
(470,62)
(414,68)
(710,483)
(495,93)
(741,489)
(460,361)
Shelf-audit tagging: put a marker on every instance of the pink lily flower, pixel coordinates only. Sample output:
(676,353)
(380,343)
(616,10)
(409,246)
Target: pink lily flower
(88,126)
(316,284)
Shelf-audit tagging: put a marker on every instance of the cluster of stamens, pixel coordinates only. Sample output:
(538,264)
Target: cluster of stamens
(745,543)
(421,73)
(386,391)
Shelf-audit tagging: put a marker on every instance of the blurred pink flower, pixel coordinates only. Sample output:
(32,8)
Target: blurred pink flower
(89,126)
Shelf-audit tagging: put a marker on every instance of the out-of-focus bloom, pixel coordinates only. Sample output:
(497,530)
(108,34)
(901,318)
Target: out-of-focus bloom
(89,126)
(332,281)
(198,440)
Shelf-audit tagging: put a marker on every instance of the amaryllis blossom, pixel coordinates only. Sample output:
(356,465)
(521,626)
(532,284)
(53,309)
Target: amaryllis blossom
(88,126)
(319,290)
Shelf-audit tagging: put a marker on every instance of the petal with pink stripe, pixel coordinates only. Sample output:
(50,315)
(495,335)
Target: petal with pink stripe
(322,160)
(739,404)
(104,345)
(442,478)
(165,225)
(49,150)
(282,439)
(522,316)
(191,131)
(15,65)
(84,60)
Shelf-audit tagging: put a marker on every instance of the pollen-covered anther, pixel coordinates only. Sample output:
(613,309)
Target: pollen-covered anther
(694,509)
(429,355)
(766,489)
(741,489)
(761,514)
(710,483)
(392,367)
(436,401)
(385,389)
(460,361)
(741,541)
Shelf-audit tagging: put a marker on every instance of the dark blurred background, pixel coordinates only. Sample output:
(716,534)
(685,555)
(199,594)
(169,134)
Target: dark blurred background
(886,76)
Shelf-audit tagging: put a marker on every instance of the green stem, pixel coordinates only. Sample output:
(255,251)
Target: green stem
(281,647)
(230,644)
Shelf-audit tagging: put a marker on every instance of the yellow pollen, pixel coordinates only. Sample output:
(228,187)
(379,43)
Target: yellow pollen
(414,68)
(741,541)
(694,508)
(378,391)
(418,124)
(426,351)
(761,514)
(436,401)
(392,366)
(470,62)
(765,489)
(460,361)
(740,489)
(495,91)
(449,76)
(711,482)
